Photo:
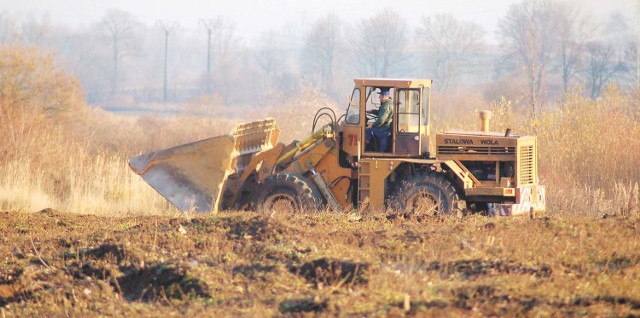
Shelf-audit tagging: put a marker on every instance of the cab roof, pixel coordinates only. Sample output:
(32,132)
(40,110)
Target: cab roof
(393,82)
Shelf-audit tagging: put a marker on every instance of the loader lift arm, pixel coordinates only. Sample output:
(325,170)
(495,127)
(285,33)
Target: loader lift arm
(270,161)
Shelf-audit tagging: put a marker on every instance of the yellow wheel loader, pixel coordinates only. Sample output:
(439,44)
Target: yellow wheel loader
(338,167)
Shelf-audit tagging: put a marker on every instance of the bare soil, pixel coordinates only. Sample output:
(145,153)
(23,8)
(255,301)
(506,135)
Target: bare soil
(243,264)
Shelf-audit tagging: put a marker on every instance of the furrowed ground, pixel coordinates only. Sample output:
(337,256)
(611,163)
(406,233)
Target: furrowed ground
(243,264)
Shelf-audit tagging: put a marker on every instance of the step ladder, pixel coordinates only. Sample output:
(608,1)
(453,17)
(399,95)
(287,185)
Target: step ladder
(364,182)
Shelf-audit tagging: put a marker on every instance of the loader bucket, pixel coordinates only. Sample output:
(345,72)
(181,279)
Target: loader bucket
(192,176)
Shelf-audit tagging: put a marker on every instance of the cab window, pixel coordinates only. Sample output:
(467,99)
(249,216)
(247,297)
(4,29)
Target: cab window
(353,112)
(408,111)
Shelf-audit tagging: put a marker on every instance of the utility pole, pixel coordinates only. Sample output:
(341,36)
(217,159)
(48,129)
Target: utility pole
(637,44)
(167,26)
(210,25)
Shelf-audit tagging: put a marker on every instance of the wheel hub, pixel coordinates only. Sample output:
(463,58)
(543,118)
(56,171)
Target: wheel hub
(424,202)
(281,202)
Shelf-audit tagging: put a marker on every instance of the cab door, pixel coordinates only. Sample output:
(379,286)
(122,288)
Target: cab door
(407,122)
(352,128)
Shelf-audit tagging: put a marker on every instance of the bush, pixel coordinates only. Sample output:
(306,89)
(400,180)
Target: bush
(38,104)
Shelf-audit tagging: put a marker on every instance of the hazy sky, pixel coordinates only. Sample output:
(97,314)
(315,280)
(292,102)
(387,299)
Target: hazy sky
(252,17)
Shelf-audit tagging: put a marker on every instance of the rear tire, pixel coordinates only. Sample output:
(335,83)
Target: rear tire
(428,194)
(287,192)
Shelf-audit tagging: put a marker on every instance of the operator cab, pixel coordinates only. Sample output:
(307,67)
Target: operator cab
(409,132)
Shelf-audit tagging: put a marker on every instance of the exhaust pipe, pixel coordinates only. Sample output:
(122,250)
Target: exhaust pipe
(485,116)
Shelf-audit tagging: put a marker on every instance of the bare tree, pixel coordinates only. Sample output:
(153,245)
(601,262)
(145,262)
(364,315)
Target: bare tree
(380,43)
(118,27)
(225,54)
(525,31)
(449,44)
(37,31)
(7,28)
(320,49)
(269,57)
(575,29)
(618,34)
(632,60)
(601,66)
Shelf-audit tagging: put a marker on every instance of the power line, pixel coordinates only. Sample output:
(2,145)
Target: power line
(210,25)
(627,8)
(167,26)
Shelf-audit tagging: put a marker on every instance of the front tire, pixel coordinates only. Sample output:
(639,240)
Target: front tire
(289,193)
(428,194)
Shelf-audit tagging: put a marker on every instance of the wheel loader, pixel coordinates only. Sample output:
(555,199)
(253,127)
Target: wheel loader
(337,168)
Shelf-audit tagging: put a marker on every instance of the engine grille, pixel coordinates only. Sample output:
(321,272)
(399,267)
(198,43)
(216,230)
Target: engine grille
(471,150)
(526,165)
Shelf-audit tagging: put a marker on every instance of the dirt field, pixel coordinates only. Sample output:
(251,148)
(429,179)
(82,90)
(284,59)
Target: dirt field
(242,264)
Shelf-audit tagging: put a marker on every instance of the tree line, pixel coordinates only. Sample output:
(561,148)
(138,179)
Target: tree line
(543,49)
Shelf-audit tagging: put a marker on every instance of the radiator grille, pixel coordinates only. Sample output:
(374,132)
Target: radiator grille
(526,165)
(467,150)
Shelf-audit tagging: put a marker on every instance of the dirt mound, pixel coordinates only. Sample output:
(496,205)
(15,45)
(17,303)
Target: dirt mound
(92,269)
(465,297)
(21,285)
(10,293)
(254,272)
(10,276)
(585,301)
(160,281)
(106,251)
(469,269)
(416,306)
(302,305)
(327,271)
(617,263)
(50,212)
(258,229)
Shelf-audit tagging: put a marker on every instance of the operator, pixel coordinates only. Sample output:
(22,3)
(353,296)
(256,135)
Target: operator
(381,128)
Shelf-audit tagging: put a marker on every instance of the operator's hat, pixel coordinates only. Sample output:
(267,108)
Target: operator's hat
(385,92)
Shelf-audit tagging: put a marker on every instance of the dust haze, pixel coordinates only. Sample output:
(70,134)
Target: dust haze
(144,56)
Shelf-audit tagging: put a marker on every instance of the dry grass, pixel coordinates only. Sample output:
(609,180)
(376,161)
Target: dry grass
(56,153)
